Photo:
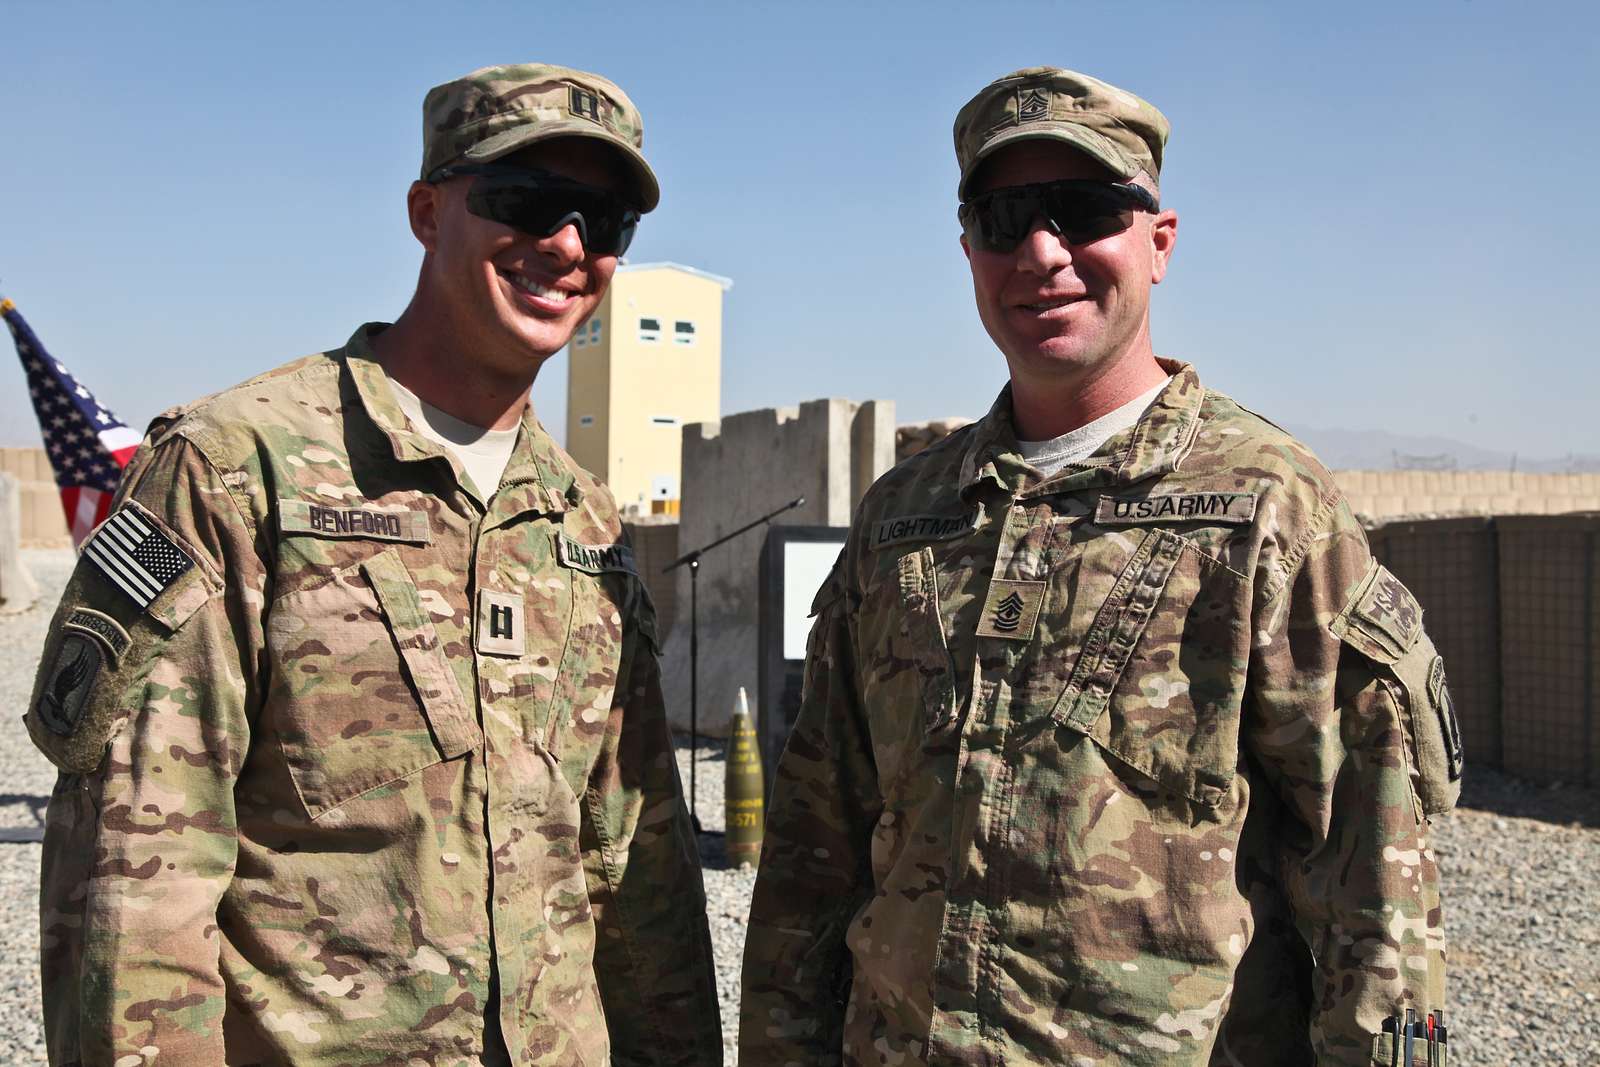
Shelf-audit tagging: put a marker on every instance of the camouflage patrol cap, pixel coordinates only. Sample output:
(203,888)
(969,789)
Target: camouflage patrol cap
(495,111)
(1111,126)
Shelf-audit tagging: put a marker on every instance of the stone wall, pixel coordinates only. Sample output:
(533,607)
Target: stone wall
(734,471)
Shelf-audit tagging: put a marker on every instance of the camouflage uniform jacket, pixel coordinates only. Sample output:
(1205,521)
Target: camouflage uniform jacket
(1127,766)
(355,768)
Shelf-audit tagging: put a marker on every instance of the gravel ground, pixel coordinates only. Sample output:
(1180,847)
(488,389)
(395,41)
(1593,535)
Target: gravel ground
(25,782)
(1520,864)
(727,889)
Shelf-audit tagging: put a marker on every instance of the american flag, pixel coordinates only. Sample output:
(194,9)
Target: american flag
(87,444)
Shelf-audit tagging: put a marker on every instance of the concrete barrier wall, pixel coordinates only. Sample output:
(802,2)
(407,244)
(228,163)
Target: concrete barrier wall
(735,471)
(40,519)
(1385,494)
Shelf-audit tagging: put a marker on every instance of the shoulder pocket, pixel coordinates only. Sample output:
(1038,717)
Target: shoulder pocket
(128,598)
(1383,621)
(362,694)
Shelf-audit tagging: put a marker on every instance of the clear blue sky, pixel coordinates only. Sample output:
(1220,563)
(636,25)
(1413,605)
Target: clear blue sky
(1385,210)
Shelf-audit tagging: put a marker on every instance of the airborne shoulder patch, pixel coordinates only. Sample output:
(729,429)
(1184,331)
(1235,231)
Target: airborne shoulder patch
(68,720)
(595,559)
(66,688)
(1235,508)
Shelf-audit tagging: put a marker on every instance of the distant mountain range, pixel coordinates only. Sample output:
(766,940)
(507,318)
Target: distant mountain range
(1381,450)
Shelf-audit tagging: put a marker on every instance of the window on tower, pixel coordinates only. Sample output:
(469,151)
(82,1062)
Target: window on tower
(650,330)
(683,332)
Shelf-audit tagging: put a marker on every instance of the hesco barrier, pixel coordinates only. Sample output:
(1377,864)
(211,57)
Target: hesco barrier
(1549,567)
(1512,602)
(1452,567)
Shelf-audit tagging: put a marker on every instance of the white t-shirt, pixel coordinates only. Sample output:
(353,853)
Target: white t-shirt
(484,453)
(1052,456)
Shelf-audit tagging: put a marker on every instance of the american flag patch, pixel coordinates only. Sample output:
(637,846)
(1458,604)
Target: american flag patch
(138,558)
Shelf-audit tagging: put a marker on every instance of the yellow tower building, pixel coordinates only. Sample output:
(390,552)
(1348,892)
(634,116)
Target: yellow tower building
(649,361)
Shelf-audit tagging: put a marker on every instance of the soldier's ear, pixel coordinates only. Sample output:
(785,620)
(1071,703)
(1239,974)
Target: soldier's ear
(966,249)
(422,208)
(1163,237)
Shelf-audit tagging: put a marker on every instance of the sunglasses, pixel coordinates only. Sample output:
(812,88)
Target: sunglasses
(1078,209)
(540,203)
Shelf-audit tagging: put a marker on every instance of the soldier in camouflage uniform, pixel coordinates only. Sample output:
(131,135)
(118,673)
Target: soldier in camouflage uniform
(360,763)
(1126,759)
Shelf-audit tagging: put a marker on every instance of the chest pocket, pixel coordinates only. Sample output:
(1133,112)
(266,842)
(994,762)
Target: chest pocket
(1159,680)
(361,694)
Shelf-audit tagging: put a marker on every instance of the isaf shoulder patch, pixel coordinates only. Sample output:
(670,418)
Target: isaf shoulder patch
(136,556)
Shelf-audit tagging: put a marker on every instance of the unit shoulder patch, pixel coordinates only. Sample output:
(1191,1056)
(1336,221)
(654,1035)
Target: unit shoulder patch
(366,521)
(1381,618)
(904,528)
(74,711)
(595,559)
(66,687)
(103,628)
(1388,605)
(1231,507)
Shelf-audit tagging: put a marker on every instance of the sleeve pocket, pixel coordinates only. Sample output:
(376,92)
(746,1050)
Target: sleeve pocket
(1383,621)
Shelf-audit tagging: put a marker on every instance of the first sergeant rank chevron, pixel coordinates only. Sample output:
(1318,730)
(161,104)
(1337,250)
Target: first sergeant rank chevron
(136,556)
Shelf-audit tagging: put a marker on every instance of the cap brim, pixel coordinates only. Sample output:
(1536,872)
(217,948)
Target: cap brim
(1085,140)
(646,187)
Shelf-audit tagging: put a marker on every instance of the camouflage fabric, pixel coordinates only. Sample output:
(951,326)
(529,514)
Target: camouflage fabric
(1117,129)
(380,776)
(1131,765)
(492,112)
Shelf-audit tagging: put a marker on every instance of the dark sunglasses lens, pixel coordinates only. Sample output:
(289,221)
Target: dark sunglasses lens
(538,207)
(1085,216)
(998,221)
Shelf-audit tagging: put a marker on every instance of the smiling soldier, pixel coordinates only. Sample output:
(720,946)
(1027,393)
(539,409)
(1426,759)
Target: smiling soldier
(355,697)
(1116,745)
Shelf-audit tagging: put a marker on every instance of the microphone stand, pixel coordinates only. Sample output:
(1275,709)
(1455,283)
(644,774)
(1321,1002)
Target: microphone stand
(692,561)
